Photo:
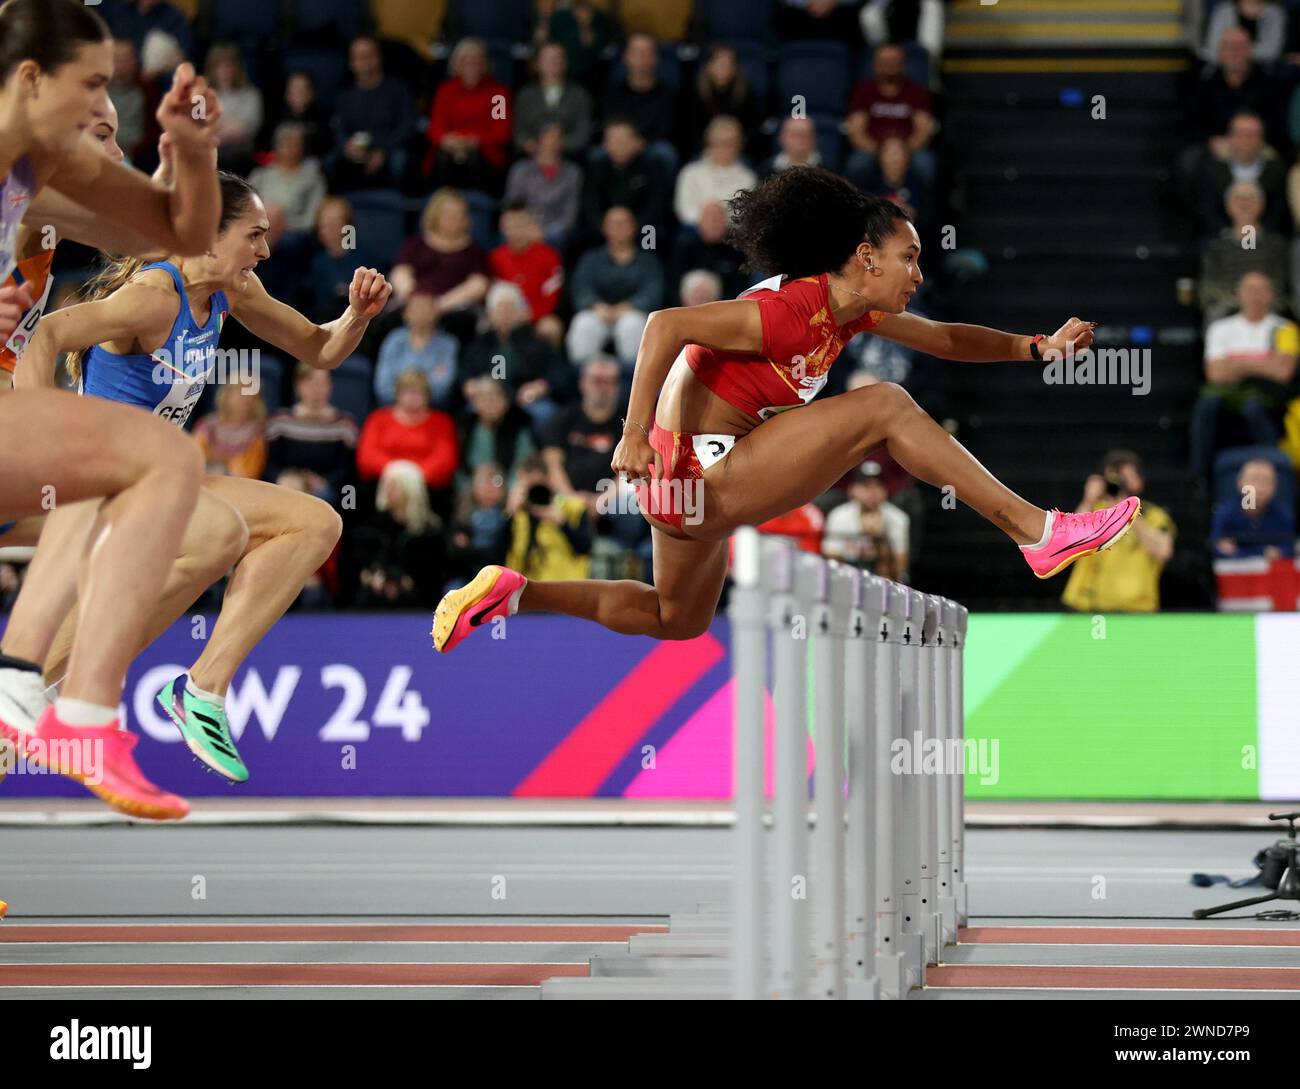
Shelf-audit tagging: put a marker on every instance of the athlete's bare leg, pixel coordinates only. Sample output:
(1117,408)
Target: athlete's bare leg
(214,540)
(780,465)
(290,535)
(66,449)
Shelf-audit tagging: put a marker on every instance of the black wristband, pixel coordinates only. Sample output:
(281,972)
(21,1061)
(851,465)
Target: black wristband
(1034,353)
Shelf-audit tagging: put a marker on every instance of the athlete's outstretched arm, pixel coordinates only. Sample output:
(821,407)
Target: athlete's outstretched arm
(180,219)
(135,313)
(320,346)
(976,343)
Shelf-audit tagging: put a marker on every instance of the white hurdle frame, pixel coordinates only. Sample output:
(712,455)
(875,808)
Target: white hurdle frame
(882,664)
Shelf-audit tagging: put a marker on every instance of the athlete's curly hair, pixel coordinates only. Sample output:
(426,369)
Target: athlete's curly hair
(806,220)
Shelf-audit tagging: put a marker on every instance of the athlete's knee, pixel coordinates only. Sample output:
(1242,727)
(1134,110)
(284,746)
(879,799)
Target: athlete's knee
(323,524)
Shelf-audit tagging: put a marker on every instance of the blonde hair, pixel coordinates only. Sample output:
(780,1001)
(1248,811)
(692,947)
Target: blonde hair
(413,377)
(235,389)
(429,217)
(410,478)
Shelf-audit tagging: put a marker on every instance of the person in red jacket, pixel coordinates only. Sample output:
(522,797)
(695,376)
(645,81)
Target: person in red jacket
(411,431)
(469,125)
(525,260)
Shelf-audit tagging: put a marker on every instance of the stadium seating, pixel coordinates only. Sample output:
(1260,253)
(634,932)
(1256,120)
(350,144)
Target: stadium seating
(817,71)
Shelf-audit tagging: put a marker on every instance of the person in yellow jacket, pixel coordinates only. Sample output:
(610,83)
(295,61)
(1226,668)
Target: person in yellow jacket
(550,534)
(1126,577)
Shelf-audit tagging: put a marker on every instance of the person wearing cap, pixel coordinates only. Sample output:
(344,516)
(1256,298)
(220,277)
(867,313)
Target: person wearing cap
(868,530)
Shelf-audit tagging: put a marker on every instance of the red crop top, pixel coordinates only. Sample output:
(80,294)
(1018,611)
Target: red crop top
(800,342)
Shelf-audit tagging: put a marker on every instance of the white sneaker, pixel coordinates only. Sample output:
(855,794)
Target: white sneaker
(22,700)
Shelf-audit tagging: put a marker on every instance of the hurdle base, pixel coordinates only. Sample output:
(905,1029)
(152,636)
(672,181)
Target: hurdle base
(890,975)
(959,894)
(932,930)
(862,990)
(912,949)
(948,919)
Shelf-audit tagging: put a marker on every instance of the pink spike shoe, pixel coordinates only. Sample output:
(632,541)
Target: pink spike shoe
(99,758)
(485,598)
(1075,535)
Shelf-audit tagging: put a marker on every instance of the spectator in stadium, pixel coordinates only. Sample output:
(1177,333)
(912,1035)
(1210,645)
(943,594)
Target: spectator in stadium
(1251,523)
(524,260)
(419,345)
(889,104)
(550,534)
(582,28)
(233,438)
(241,108)
(1250,360)
(797,139)
(311,445)
(717,175)
(1236,83)
(400,547)
(469,124)
(553,99)
(135,19)
(805,525)
(549,186)
(644,99)
(411,430)
(904,21)
(895,177)
(700,286)
(579,440)
(1245,246)
(136,102)
(625,176)
(1263,22)
(293,183)
(707,248)
(800,19)
(613,290)
(373,123)
(333,265)
(1246,157)
(159,56)
(1126,577)
(444,261)
(721,90)
(868,530)
(479,533)
(496,431)
(509,352)
(301,107)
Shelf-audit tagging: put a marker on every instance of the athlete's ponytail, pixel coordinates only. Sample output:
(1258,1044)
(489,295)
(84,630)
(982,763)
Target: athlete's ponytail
(49,32)
(114,275)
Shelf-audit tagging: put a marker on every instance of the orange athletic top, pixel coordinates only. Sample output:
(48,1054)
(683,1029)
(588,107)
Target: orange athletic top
(800,342)
(35,273)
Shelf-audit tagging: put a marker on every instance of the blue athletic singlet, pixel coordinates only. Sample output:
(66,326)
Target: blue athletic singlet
(15,197)
(170,381)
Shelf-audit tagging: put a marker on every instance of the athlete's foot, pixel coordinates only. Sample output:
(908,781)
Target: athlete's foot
(99,758)
(1071,536)
(493,592)
(203,725)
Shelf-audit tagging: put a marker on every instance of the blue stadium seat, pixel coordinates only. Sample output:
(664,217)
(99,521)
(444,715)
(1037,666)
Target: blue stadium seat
(819,71)
(830,141)
(328,69)
(738,20)
(271,377)
(352,390)
(315,16)
(1229,462)
(753,62)
(670,67)
(501,60)
(916,63)
(245,21)
(493,19)
(483,212)
(380,218)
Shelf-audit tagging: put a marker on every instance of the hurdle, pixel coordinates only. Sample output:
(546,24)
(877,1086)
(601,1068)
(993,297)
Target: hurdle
(852,897)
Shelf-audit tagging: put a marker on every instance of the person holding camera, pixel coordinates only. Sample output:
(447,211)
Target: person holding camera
(550,534)
(1125,577)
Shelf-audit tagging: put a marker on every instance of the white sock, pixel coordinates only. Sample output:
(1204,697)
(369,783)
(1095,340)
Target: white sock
(1047,532)
(513,607)
(196,691)
(83,713)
